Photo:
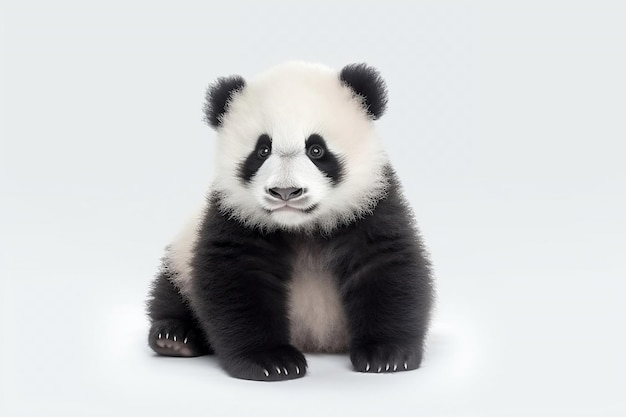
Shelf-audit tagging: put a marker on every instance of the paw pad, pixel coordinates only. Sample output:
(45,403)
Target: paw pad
(176,338)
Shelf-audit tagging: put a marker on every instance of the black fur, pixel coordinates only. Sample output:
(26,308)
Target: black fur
(366,82)
(217,97)
(240,291)
(329,164)
(240,286)
(386,284)
(253,162)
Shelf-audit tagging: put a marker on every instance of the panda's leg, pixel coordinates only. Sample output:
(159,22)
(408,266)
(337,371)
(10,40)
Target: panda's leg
(387,290)
(174,330)
(388,305)
(240,295)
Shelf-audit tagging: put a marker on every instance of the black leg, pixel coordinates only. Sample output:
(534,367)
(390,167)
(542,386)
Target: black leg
(388,319)
(387,288)
(239,293)
(174,330)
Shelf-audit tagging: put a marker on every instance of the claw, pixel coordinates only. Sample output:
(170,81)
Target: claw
(285,370)
(159,335)
(167,335)
(278,370)
(405,366)
(297,370)
(395,366)
(367,367)
(379,368)
(174,338)
(185,341)
(266,372)
(387,367)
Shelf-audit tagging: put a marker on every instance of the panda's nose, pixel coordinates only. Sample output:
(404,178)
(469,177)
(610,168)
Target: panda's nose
(285,193)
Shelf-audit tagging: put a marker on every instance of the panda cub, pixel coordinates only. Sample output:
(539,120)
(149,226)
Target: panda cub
(305,243)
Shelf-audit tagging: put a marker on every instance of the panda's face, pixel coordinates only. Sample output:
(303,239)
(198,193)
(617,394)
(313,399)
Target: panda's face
(298,151)
(289,181)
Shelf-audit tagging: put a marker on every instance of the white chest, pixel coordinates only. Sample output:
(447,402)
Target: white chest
(316,312)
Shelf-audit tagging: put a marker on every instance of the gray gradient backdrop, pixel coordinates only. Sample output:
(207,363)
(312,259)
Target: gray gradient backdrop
(505,123)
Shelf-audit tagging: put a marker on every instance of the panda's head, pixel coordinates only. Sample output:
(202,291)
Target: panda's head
(298,149)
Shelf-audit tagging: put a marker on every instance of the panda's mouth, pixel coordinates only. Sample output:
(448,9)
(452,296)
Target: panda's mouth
(291,209)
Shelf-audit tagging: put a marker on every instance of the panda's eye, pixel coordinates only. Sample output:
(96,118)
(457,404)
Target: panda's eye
(315,152)
(264,151)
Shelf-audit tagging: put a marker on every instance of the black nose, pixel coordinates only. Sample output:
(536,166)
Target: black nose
(285,193)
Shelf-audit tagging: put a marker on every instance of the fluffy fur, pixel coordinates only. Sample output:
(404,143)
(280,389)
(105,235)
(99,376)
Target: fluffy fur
(305,242)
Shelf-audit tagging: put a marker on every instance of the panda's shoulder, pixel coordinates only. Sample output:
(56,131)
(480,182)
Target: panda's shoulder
(392,213)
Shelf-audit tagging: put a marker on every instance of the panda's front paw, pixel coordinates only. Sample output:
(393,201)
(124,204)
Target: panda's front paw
(276,364)
(379,358)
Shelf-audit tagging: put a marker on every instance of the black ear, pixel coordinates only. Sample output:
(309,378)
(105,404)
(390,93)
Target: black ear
(217,97)
(366,82)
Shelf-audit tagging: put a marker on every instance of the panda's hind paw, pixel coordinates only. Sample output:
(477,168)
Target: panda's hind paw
(177,338)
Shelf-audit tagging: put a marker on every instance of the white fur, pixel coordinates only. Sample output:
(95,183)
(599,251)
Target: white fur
(316,314)
(178,256)
(289,103)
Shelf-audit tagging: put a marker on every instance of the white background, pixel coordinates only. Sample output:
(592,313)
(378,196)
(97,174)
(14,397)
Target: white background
(506,125)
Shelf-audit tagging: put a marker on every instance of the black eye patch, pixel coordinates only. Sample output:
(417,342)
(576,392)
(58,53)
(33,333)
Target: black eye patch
(256,158)
(324,159)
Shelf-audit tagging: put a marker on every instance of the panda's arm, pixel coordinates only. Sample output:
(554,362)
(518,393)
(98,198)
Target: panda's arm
(387,288)
(238,296)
